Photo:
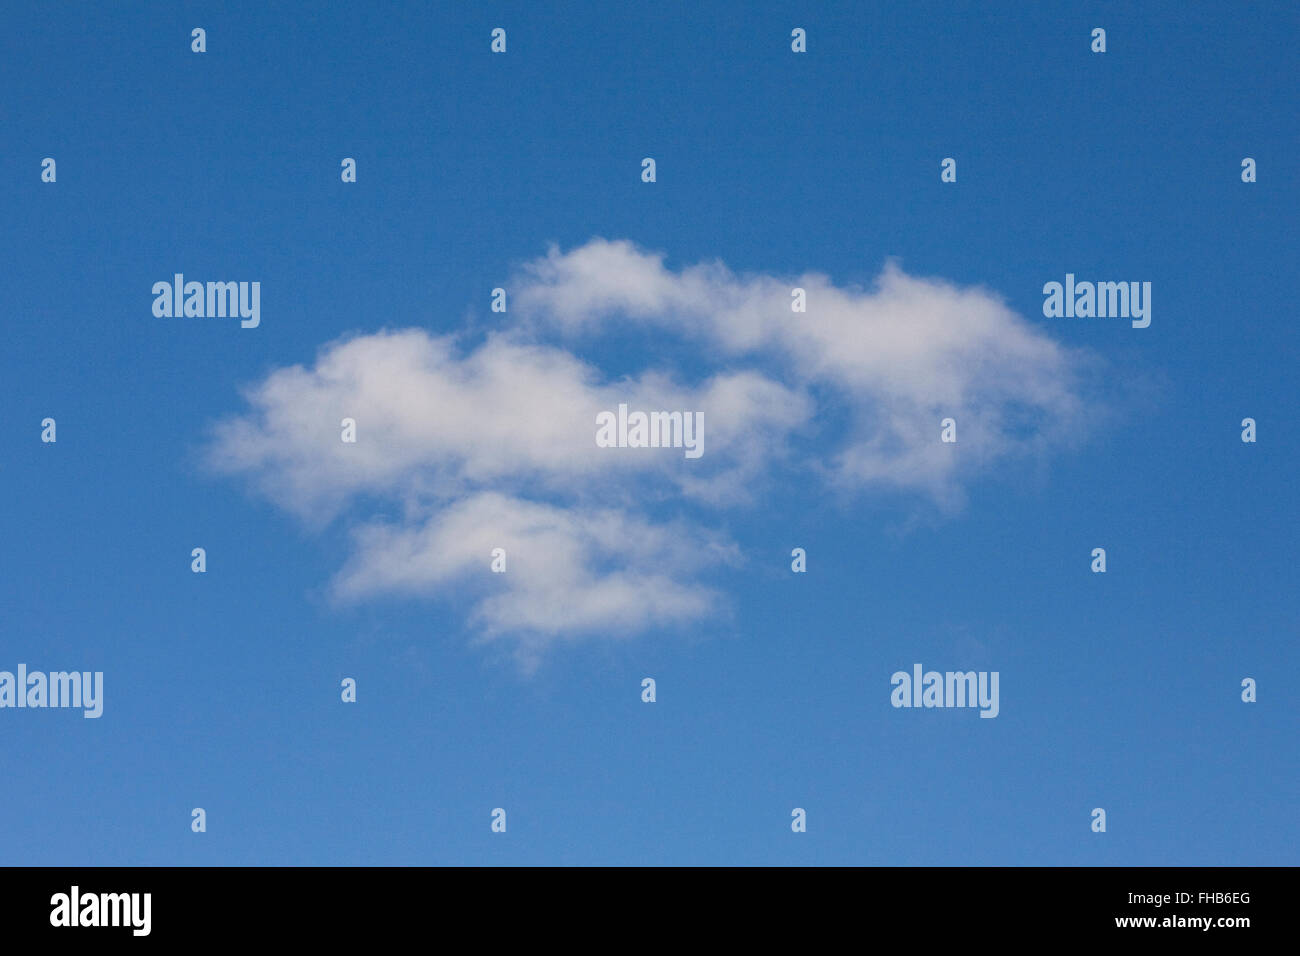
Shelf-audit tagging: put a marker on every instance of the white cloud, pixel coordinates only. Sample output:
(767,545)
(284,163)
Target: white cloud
(494,446)
(569,571)
(433,422)
(899,357)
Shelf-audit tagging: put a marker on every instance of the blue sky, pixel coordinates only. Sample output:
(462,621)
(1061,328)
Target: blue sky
(1119,690)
